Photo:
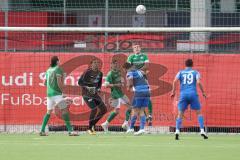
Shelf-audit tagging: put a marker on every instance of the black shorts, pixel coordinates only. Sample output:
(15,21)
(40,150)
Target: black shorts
(93,101)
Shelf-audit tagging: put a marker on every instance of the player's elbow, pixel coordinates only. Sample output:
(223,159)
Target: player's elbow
(199,82)
(174,82)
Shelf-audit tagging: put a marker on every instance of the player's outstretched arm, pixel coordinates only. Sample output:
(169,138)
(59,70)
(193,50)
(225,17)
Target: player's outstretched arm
(201,88)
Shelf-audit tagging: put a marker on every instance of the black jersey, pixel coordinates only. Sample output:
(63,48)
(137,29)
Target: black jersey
(90,78)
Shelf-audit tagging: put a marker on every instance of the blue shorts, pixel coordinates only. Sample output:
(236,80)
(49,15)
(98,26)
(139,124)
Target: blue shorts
(140,102)
(186,99)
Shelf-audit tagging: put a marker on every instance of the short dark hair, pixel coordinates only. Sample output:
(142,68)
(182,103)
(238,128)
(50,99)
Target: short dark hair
(114,60)
(54,61)
(94,59)
(127,65)
(136,43)
(189,63)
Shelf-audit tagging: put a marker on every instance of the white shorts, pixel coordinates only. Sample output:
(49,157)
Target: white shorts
(56,101)
(116,103)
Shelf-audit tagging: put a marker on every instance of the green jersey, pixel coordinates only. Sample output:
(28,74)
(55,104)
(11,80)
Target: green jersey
(52,84)
(138,60)
(114,77)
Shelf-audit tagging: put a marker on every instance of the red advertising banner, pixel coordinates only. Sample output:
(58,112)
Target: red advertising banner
(23,101)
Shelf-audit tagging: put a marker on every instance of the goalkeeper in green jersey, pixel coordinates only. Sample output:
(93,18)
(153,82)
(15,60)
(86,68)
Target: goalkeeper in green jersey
(140,61)
(55,82)
(115,82)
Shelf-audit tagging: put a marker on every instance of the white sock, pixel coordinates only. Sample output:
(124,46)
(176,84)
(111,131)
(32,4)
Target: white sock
(177,131)
(125,122)
(202,130)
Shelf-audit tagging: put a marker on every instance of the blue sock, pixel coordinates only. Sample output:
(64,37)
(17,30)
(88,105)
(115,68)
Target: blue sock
(133,120)
(178,123)
(142,121)
(200,121)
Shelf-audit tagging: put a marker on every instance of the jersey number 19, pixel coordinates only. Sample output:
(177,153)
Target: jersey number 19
(188,78)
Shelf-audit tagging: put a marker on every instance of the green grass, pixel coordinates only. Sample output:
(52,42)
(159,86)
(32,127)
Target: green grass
(118,147)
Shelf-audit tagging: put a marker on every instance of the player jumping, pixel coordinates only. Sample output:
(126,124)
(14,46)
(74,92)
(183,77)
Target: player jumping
(141,61)
(188,78)
(137,82)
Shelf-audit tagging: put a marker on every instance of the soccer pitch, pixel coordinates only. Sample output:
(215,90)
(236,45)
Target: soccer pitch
(118,147)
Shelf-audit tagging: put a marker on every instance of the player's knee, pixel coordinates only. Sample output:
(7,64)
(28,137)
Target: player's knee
(62,105)
(141,112)
(117,110)
(129,107)
(180,115)
(198,112)
(135,112)
(49,111)
(64,111)
(103,109)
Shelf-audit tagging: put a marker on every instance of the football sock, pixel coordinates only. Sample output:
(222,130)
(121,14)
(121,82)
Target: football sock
(127,114)
(178,123)
(150,107)
(200,121)
(133,120)
(66,118)
(142,121)
(111,117)
(45,121)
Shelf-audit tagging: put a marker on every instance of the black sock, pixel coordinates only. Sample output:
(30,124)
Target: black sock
(92,118)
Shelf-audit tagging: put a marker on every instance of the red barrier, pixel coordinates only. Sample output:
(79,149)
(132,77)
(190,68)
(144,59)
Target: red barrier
(22,94)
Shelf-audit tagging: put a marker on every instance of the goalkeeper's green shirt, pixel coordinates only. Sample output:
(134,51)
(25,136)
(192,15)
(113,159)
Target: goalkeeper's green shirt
(138,60)
(52,85)
(114,77)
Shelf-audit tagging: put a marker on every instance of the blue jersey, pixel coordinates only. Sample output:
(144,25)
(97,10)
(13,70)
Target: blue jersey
(140,83)
(188,81)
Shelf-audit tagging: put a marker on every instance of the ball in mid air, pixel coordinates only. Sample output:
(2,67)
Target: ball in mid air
(141,9)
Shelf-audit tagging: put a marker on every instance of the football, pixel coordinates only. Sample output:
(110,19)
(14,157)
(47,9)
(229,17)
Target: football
(141,9)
